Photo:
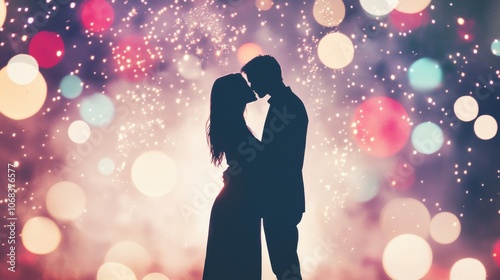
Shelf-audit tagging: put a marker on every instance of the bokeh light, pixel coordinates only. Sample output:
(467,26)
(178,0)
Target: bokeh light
(154,173)
(79,131)
(40,235)
(155,276)
(106,166)
(496,252)
(65,201)
(366,188)
(97,109)
(445,228)
(485,127)
(378,7)
(381,126)
(21,101)
(264,5)
(22,69)
(495,47)
(412,6)
(190,67)
(248,51)
(427,138)
(3,12)
(130,254)
(425,74)
(97,15)
(141,73)
(114,270)
(405,216)
(133,58)
(335,50)
(466,108)
(47,48)
(329,13)
(407,256)
(467,269)
(406,22)
(401,175)
(71,86)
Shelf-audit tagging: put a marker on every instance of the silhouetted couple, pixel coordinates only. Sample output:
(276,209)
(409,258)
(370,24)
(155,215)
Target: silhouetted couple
(263,180)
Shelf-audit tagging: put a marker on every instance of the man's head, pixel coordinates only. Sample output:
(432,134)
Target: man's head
(264,74)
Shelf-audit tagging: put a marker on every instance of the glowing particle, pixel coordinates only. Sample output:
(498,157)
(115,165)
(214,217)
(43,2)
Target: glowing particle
(190,67)
(133,58)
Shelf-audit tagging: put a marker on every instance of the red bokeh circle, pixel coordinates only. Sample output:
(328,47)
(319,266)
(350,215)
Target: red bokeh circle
(47,48)
(97,15)
(381,126)
(496,252)
(133,58)
(405,22)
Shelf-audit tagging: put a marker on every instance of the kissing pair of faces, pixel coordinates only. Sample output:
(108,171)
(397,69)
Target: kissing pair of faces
(237,89)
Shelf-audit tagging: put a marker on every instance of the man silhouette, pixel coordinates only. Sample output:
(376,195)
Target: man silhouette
(281,196)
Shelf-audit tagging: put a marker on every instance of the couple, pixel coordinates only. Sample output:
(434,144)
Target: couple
(264,179)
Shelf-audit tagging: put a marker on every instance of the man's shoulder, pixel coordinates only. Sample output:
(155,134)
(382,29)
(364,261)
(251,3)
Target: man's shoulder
(296,101)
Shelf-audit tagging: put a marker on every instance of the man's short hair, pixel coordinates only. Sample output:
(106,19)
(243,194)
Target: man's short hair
(263,65)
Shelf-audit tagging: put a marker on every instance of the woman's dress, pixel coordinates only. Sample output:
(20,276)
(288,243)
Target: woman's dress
(234,245)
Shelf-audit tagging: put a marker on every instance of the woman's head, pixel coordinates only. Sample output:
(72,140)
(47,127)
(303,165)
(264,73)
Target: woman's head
(228,99)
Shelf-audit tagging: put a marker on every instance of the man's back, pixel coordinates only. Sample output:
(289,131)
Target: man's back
(284,138)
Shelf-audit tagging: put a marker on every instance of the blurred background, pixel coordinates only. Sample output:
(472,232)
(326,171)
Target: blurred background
(103,106)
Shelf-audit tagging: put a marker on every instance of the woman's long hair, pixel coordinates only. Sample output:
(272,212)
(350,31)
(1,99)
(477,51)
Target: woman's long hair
(226,112)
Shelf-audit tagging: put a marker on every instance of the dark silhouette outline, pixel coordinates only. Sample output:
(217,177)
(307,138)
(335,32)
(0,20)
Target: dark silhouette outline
(264,178)
(234,245)
(281,197)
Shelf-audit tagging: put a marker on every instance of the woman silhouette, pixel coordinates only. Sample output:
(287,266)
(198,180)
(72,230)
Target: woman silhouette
(234,248)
